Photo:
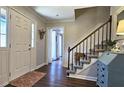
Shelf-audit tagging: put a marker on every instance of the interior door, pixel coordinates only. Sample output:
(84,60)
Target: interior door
(20,44)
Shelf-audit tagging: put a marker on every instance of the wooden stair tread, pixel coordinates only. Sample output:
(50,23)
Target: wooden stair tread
(99,50)
(77,66)
(93,56)
(85,61)
(71,71)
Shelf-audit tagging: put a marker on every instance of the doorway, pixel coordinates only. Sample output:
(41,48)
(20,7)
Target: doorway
(55,44)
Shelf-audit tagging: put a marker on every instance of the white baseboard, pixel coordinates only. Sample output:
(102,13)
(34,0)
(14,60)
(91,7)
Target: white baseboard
(64,64)
(4,84)
(41,65)
(33,69)
(83,77)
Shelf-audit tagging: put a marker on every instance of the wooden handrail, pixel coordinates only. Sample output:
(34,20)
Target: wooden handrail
(90,34)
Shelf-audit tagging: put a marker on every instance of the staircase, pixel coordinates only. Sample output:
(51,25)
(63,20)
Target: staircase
(90,48)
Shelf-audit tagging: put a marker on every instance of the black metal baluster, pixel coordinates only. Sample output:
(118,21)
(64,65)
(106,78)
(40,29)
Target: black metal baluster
(83,49)
(72,60)
(90,44)
(110,29)
(106,34)
(98,38)
(76,55)
(94,43)
(102,36)
(68,59)
(80,53)
(86,48)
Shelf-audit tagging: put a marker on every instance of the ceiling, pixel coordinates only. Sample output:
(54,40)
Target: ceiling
(57,13)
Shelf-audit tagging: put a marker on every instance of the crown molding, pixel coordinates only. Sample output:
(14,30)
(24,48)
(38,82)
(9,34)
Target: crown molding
(61,21)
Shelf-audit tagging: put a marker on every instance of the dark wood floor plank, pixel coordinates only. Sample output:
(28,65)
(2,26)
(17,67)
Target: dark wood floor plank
(56,77)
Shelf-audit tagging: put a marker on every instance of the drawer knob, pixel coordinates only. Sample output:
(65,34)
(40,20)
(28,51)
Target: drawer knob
(103,69)
(102,75)
(102,82)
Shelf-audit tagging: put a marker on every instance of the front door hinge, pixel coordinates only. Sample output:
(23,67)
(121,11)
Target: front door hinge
(9,45)
(9,74)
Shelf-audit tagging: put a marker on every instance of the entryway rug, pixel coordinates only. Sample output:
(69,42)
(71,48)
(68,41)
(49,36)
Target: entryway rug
(28,80)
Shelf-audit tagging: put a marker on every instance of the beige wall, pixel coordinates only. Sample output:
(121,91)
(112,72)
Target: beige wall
(115,10)
(80,28)
(40,22)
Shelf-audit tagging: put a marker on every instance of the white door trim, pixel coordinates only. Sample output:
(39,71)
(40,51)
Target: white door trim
(33,49)
(48,44)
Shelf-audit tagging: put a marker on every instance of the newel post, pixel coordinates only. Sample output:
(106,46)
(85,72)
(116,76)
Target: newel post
(68,57)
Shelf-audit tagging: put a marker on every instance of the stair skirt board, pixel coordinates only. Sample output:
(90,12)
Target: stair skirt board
(81,73)
(83,77)
(87,66)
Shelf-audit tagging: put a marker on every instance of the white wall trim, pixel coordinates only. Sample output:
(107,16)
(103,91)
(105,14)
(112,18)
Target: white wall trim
(31,11)
(4,84)
(65,65)
(35,13)
(41,65)
(61,21)
(83,77)
(87,65)
(48,43)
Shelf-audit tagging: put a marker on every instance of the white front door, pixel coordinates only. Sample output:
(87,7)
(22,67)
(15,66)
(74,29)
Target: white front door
(20,44)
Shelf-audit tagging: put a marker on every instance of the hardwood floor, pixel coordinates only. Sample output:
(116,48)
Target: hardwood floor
(56,77)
